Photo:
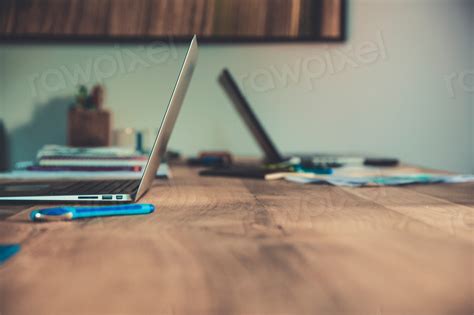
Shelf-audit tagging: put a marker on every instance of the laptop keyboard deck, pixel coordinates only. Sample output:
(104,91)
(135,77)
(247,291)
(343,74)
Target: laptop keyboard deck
(69,188)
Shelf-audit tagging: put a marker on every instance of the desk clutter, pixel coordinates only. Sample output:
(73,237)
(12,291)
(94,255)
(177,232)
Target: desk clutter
(352,173)
(340,170)
(365,176)
(54,161)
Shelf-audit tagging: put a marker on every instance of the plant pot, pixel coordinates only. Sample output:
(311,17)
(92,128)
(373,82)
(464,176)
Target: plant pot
(89,128)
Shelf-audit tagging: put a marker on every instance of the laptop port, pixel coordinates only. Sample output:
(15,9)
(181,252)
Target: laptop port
(88,197)
(119,197)
(107,197)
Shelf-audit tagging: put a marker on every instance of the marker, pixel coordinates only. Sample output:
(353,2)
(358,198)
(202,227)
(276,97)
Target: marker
(72,213)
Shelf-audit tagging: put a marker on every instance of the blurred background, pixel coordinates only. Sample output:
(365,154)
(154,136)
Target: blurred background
(398,82)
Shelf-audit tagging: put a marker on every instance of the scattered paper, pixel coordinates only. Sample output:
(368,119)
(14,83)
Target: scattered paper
(396,180)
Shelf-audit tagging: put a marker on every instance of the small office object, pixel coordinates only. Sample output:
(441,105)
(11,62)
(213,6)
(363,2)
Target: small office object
(112,190)
(171,155)
(73,213)
(134,139)
(125,138)
(139,142)
(208,161)
(381,162)
(224,155)
(7,251)
(270,150)
(211,158)
(313,169)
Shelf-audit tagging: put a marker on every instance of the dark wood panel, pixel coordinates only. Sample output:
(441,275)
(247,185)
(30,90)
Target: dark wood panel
(209,19)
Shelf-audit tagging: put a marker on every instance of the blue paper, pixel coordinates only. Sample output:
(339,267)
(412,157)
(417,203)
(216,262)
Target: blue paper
(8,251)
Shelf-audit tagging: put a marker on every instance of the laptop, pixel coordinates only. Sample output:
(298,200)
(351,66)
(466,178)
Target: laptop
(271,152)
(116,191)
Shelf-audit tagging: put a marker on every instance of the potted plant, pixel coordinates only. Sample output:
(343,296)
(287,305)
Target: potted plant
(89,124)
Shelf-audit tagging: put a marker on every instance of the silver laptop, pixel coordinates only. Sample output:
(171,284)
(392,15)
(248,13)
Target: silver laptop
(111,190)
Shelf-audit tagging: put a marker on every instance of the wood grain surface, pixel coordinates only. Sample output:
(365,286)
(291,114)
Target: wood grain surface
(232,246)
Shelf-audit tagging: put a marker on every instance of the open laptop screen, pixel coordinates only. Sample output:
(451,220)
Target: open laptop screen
(243,107)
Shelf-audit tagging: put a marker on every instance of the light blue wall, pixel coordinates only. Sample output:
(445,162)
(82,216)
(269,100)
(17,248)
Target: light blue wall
(396,101)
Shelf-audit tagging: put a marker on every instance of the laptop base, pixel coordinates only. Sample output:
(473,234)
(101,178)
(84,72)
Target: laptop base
(74,191)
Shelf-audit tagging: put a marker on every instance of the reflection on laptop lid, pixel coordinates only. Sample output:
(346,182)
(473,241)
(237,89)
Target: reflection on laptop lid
(169,119)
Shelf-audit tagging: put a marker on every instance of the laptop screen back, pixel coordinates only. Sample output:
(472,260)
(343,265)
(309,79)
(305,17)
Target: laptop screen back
(169,119)
(243,108)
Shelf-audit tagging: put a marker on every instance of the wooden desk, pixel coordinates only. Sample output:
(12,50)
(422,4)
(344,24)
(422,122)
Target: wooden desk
(231,246)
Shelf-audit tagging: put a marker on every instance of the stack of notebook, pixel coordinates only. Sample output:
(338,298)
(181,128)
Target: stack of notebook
(109,159)
(53,161)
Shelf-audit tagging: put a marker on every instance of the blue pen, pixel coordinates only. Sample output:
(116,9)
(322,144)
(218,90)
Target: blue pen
(72,213)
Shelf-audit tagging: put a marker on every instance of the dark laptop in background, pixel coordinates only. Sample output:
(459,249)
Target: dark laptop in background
(271,152)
